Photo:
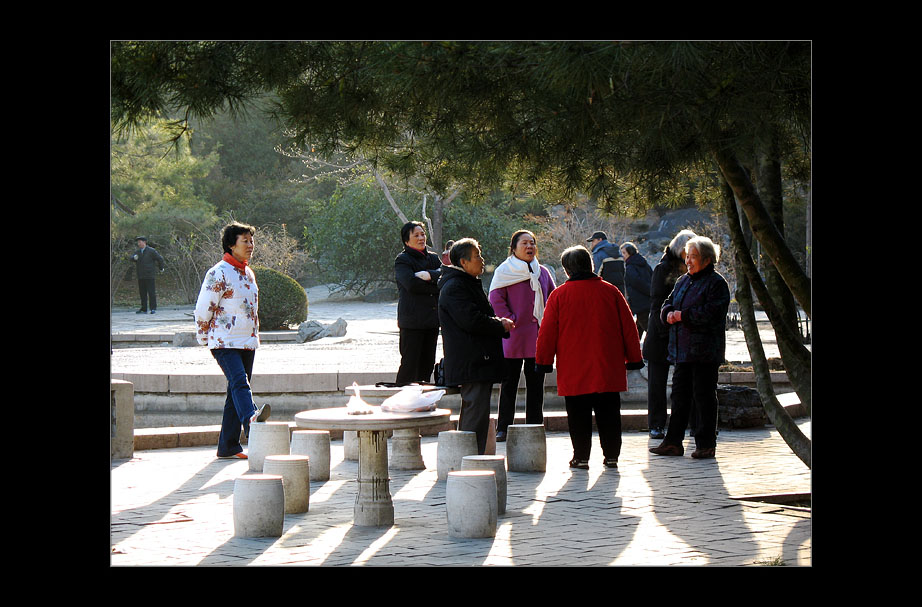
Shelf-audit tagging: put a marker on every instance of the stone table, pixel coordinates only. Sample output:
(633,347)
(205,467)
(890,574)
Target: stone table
(406,449)
(373,504)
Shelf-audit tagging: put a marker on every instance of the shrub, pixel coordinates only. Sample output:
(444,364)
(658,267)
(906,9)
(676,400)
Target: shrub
(282,301)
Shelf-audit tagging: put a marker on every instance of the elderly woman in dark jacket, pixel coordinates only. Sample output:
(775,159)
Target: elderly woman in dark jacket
(472,337)
(696,313)
(418,271)
(670,267)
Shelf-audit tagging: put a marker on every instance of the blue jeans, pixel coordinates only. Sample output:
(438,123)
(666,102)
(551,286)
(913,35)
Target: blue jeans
(238,406)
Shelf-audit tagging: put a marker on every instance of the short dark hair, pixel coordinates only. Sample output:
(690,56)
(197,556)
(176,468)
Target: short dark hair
(630,247)
(232,231)
(408,228)
(517,235)
(576,259)
(462,249)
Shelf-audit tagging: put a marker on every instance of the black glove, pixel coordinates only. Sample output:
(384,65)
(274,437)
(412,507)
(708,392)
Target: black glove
(543,368)
(635,366)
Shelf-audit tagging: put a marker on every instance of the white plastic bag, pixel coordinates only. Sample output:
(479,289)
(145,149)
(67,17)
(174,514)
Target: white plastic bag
(411,399)
(357,406)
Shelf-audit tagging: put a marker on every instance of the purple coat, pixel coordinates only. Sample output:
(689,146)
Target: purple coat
(517,302)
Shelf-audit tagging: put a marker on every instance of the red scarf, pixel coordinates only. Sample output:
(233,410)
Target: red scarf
(242,265)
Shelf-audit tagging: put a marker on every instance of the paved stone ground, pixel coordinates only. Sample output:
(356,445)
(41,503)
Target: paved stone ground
(175,507)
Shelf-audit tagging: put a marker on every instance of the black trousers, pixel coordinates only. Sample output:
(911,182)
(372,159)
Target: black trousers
(147,288)
(475,411)
(694,390)
(657,378)
(417,355)
(534,393)
(607,407)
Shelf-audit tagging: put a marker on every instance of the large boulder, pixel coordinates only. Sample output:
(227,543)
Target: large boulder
(312,330)
(739,407)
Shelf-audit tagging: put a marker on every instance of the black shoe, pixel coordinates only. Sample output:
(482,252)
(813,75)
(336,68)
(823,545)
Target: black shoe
(501,436)
(671,450)
(153,311)
(657,433)
(610,462)
(582,464)
(141,312)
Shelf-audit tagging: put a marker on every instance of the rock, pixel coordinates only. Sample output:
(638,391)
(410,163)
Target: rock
(313,330)
(739,407)
(337,329)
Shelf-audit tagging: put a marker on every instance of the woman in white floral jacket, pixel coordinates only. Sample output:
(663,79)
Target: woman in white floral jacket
(228,323)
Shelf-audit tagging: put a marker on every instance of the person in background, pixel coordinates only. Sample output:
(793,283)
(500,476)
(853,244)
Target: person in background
(417,271)
(147,261)
(655,347)
(446,260)
(637,276)
(696,313)
(518,291)
(589,329)
(606,259)
(227,317)
(472,337)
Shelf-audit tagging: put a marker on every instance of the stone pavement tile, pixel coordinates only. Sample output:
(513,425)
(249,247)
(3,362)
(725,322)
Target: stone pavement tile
(175,507)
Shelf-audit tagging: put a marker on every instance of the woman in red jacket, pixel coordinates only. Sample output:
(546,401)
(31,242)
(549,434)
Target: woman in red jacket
(589,328)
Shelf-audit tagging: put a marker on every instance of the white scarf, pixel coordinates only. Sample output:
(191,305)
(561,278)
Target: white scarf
(513,271)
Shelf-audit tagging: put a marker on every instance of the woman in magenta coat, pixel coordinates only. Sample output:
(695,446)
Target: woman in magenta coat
(518,291)
(589,328)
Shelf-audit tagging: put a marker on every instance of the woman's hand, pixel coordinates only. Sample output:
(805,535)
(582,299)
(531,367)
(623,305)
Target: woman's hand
(508,325)
(674,317)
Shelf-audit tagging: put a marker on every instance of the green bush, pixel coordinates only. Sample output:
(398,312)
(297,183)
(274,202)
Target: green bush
(282,301)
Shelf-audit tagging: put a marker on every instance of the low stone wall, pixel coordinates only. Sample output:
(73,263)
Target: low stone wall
(183,399)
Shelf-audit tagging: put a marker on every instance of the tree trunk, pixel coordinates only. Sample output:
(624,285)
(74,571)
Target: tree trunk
(790,342)
(797,359)
(778,415)
(764,228)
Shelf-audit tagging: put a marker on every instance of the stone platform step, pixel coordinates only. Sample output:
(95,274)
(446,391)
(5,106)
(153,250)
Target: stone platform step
(554,421)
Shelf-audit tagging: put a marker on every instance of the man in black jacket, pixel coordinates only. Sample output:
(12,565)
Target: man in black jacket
(606,260)
(147,260)
(471,337)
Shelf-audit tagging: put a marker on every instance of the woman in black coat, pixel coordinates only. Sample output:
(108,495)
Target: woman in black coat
(696,313)
(418,271)
(471,337)
(665,275)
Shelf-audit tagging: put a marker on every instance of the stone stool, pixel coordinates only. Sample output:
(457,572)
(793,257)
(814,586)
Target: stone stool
(267,438)
(406,452)
(259,505)
(351,445)
(453,446)
(316,445)
(526,448)
(470,498)
(296,479)
(496,463)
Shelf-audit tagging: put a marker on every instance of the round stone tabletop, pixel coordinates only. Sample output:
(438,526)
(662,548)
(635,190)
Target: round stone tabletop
(338,418)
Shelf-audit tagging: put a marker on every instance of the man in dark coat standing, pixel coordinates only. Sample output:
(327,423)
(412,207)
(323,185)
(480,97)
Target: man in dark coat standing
(471,337)
(606,260)
(147,261)
(637,277)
